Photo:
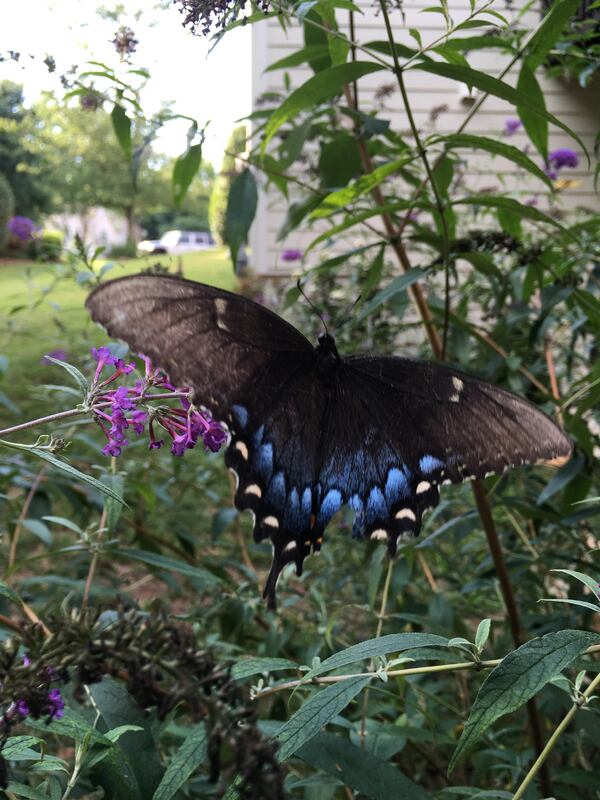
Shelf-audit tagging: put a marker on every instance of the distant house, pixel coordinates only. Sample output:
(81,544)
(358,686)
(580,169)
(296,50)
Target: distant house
(439,105)
(100,227)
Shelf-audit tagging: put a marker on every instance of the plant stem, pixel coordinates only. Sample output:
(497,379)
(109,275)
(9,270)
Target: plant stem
(380,618)
(395,673)
(73,412)
(96,553)
(552,741)
(23,515)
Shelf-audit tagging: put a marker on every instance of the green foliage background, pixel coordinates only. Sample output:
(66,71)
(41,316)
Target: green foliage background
(440,675)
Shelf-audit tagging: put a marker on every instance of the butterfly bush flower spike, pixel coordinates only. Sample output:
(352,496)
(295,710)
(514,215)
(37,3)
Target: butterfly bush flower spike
(511,126)
(130,408)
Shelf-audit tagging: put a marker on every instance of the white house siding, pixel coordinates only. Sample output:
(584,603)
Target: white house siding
(576,107)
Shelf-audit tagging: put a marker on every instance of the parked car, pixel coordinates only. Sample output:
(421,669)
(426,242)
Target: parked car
(175,243)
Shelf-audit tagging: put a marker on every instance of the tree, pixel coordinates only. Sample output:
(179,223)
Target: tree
(87,168)
(22,162)
(236,144)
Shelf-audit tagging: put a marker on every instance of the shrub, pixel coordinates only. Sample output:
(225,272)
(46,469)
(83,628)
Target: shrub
(47,246)
(6,209)
(127,250)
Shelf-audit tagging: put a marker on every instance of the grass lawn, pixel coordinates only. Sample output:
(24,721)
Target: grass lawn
(41,309)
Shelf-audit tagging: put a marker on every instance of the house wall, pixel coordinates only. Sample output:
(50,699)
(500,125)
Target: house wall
(439,105)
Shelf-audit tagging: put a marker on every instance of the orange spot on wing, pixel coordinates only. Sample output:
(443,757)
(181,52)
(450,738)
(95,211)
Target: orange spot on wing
(313,520)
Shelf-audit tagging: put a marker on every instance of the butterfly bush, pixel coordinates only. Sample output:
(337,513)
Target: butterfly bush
(22,228)
(123,410)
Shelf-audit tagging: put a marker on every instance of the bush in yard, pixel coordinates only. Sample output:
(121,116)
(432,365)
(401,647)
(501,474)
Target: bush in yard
(6,210)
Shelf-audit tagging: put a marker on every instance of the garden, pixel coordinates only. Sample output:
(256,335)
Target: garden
(412,610)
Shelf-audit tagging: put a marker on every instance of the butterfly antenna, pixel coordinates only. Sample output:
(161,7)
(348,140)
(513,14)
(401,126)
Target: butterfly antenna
(347,315)
(312,305)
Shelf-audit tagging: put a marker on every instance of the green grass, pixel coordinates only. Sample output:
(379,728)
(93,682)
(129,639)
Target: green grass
(42,309)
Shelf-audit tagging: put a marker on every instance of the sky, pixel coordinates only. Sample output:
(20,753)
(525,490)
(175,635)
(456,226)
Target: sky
(215,86)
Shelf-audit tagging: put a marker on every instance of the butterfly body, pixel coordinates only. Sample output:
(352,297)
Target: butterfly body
(311,430)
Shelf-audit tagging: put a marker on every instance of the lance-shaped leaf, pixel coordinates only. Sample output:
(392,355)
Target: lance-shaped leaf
(318,710)
(535,125)
(255,666)
(122,128)
(497,148)
(241,208)
(518,678)
(509,204)
(320,87)
(184,171)
(186,760)
(559,13)
(392,643)
(490,85)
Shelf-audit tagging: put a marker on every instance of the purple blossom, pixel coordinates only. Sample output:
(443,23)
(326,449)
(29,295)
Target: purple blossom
(139,419)
(112,448)
(292,255)
(563,157)
(511,126)
(22,708)
(214,437)
(56,704)
(122,367)
(21,227)
(61,355)
(120,399)
(103,355)
(531,201)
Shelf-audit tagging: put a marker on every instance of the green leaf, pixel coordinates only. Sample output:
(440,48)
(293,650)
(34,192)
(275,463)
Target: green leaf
(555,21)
(122,128)
(186,761)
(184,171)
(38,529)
(582,603)
(344,197)
(74,372)
(339,161)
(357,218)
(396,286)
(489,85)
(564,476)
(9,594)
(483,633)
(535,125)
(320,87)
(170,565)
(63,466)
(17,744)
(591,583)
(392,643)
(589,304)
(241,208)
(112,508)
(255,666)
(518,678)
(359,769)
(498,148)
(132,763)
(318,710)
(509,204)
(65,523)
(314,51)
(20,790)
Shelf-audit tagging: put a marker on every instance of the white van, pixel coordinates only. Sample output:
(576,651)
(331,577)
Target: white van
(175,243)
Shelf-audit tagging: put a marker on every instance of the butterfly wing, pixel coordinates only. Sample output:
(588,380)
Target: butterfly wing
(218,343)
(401,428)
(253,371)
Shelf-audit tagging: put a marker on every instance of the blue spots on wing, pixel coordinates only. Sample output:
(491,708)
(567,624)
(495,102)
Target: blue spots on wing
(264,460)
(332,502)
(376,505)
(276,491)
(429,464)
(292,517)
(396,486)
(241,415)
(258,435)
(306,504)
(357,505)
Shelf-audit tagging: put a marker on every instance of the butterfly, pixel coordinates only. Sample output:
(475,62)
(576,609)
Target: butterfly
(310,430)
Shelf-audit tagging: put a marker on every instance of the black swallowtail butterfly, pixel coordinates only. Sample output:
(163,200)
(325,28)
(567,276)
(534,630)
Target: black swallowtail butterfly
(311,430)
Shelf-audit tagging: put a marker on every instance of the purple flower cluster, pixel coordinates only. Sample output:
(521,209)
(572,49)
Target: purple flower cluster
(558,159)
(117,410)
(54,707)
(511,126)
(292,255)
(21,227)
